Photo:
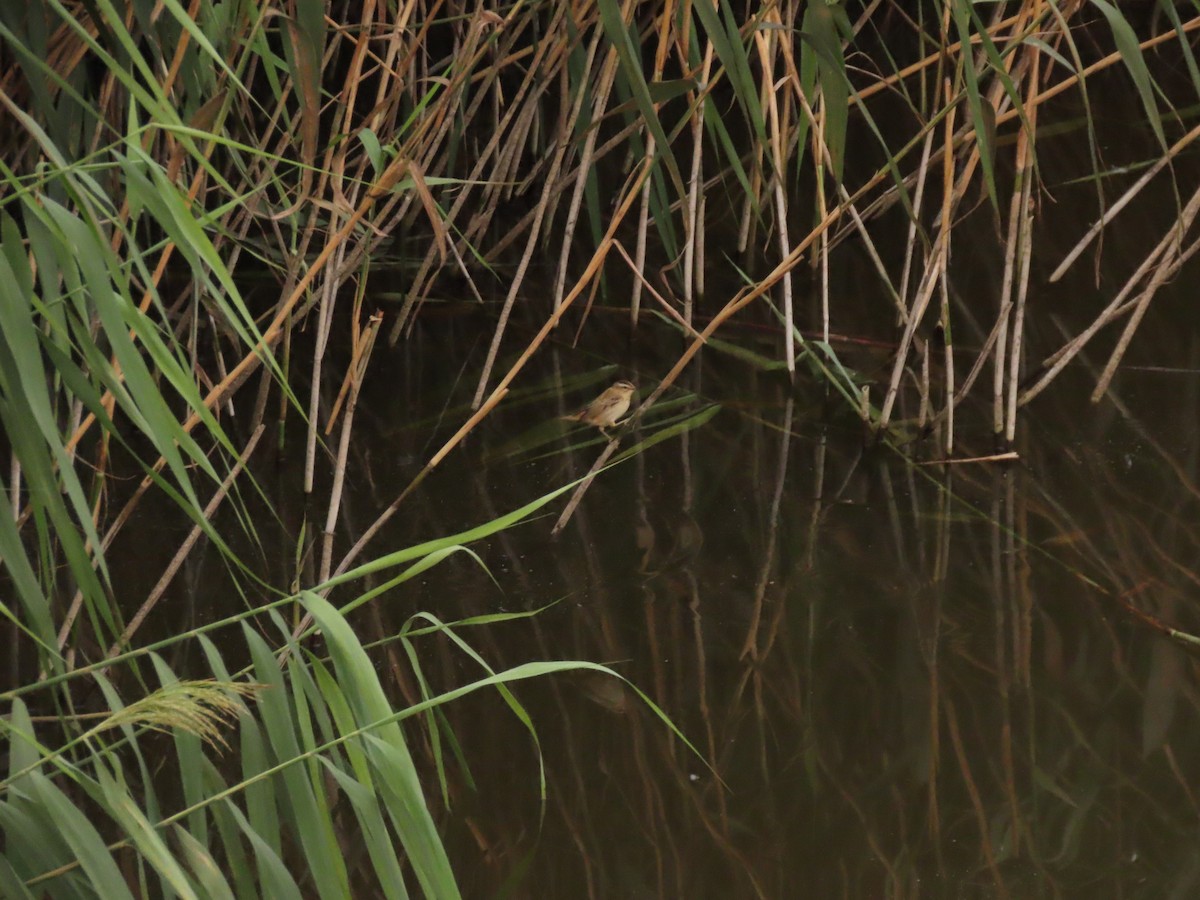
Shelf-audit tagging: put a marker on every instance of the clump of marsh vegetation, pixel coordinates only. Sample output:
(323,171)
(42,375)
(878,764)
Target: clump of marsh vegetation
(211,213)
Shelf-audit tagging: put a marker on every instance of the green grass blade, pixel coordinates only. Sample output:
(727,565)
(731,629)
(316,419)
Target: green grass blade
(120,804)
(983,117)
(1131,55)
(821,28)
(82,837)
(207,872)
(387,751)
(629,56)
(305,811)
(11,884)
(374,832)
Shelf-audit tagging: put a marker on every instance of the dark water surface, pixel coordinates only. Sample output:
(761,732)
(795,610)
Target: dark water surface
(908,680)
(901,680)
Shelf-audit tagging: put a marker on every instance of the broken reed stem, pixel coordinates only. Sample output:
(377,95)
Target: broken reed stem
(640,280)
(362,343)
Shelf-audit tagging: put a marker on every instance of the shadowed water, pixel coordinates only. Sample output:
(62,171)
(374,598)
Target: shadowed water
(897,678)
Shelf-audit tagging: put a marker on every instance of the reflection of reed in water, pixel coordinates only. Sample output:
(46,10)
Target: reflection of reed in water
(886,673)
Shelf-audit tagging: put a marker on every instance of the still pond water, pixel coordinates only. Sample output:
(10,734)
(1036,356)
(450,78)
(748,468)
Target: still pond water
(899,679)
(907,680)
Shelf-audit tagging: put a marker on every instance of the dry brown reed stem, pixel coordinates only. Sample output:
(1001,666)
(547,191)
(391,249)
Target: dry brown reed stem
(692,221)
(520,109)
(164,581)
(587,311)
(947,352)
(270,336)
(817,140)
(608,74)
(1161,273)
(507,150)
(1100,64)
(1123,201)
(929,282)
(640,279)
(993,30)
(737,303)
(1026,153)
(534,231)
(362,342)
(766,48)
(982,358)
(999,334)
(516,229)
(363,345)
(923,388)
(108,400)
(1007,456)
(1038,98)
(1117,306)
(325,307)
(913,225)
(643,225)
(101,467)
(501,389)
(748,226)
(365,538)
(251,361)
(822,148)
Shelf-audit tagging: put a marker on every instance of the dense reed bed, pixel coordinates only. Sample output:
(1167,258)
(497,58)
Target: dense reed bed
(213,216)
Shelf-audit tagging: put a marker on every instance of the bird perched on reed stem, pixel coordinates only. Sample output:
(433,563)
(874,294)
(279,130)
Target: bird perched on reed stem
(606,410)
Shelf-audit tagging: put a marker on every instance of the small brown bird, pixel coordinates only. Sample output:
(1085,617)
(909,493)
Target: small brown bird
(605,410)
